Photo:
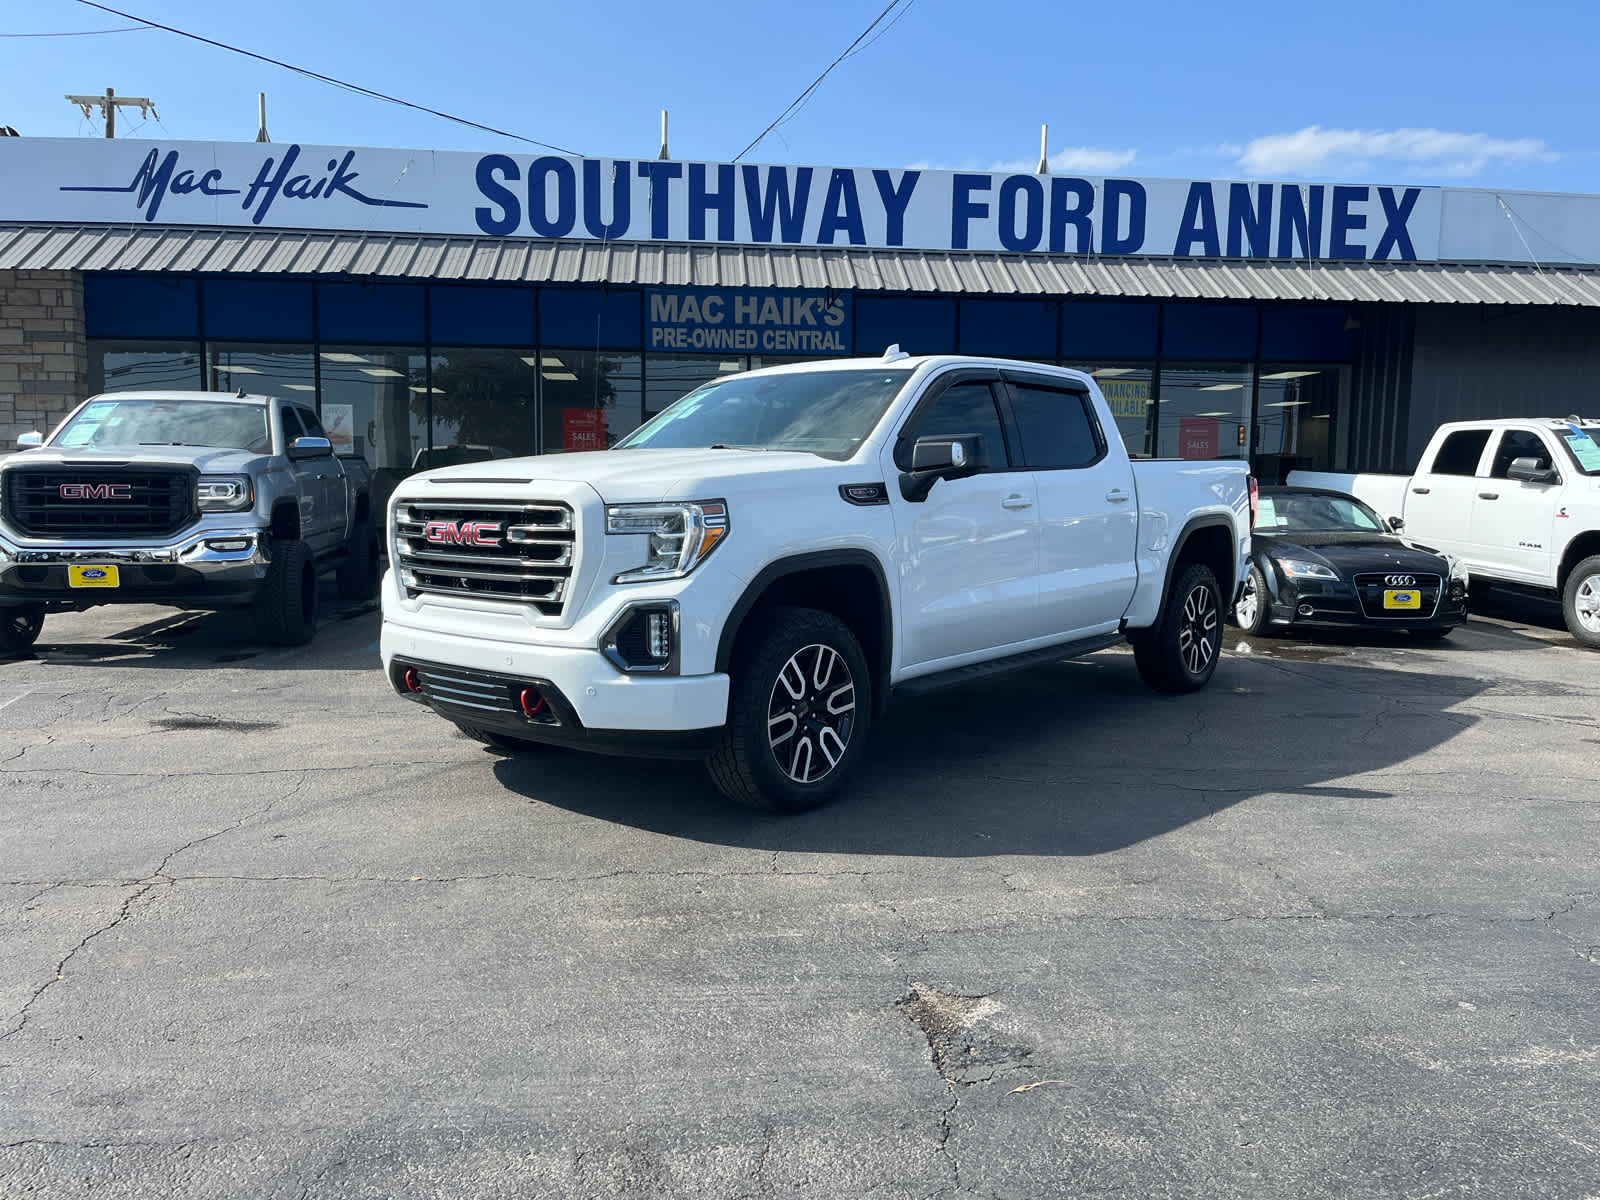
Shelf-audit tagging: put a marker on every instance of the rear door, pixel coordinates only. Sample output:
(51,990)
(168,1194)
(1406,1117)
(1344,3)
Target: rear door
(1513,521)
(334,494)
(1088,518)
(969,553)
(310,485)
(1438,509)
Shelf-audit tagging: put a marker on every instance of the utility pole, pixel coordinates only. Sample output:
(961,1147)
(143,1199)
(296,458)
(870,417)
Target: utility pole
(109,103)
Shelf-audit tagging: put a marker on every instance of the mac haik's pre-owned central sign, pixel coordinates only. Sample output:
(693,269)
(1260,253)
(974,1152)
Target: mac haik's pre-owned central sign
(291,186)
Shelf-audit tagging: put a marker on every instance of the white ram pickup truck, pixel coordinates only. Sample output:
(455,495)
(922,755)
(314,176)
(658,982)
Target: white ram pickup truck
(1517,501)
(750,574)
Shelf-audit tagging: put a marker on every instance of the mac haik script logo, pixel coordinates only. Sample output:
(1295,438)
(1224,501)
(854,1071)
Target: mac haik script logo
(161,176)
(96,491)
(462,533)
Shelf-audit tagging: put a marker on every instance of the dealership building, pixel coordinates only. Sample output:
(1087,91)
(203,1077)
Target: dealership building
(536,304)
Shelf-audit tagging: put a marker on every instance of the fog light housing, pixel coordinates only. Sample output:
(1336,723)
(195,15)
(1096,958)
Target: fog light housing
(644,639)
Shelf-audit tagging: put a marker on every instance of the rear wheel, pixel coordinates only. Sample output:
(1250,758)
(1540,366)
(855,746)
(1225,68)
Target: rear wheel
(1179,654)
(358,574)
(1580,602)
(20,626)
(799,709)
(286,609)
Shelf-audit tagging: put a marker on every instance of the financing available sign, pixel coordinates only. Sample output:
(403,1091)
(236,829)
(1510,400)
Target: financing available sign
(545,197)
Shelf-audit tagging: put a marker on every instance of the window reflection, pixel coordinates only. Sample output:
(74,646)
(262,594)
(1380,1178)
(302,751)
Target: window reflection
(1126,387)
(484,405)
(131,366)
(673,375)
(374,403)
(263,369)
(1203,410)
(589,399)
(1294,419)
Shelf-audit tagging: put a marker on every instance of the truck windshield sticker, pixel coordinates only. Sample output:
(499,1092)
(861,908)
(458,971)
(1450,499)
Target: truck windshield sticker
(1583,449)
(1266,514)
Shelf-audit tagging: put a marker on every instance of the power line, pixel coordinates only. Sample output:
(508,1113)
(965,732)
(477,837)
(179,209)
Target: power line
(815,83)
(339,83)
(80,32)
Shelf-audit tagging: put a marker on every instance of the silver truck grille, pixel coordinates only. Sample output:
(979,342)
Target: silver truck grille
(517,552)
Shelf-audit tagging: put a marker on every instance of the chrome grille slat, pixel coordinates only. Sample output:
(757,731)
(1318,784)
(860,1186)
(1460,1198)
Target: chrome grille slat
(528,558)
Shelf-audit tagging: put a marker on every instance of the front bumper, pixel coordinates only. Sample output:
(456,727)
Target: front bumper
(597,706)
(1338,608)
(203,568)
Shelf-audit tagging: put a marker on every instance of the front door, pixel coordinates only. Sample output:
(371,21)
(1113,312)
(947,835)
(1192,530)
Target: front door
(1512,520)
(968,555)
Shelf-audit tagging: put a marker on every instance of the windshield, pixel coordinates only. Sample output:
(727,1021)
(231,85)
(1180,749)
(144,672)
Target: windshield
(1315,512)
(168,423)
(1580,443)
(824,412)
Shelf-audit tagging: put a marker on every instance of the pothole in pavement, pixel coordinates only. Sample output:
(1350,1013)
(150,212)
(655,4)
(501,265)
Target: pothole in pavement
(187,722)
(966,1043)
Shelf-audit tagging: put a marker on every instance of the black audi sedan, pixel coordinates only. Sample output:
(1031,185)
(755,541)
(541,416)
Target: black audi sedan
(1322,559)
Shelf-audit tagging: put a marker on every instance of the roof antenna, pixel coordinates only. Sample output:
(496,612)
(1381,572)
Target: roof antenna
(240,395)
(894,353)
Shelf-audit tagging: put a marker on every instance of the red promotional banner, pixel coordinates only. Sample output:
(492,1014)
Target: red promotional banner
(583,429)
(1197,437)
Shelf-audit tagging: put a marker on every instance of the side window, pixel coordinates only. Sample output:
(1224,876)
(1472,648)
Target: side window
(313,426)
(291,426)
(1056,427)
(1460,453)
(960,410)
(1515,444)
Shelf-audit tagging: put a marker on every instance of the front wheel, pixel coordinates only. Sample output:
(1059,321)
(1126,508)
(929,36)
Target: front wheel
(286,608)
(799,708)
(1580,602)
(20,626)
(1179,654)
(1251,613)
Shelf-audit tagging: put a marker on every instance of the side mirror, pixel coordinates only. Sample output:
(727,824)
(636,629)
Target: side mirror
(936,458)
(1396,524)
(28,441)
(310,447)
(1528,470)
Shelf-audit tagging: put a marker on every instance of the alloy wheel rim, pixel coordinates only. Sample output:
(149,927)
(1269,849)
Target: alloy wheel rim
(1587,604)
(1197,633)
(1245,611)
(24,623)
(811,713)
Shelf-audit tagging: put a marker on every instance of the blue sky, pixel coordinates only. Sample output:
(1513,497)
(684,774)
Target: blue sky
(1404,91)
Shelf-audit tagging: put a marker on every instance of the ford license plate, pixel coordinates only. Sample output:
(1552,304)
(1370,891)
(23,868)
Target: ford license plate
(1402,598)
(92,577)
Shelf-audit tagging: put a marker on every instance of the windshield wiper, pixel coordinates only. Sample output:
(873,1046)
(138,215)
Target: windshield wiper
(726,446)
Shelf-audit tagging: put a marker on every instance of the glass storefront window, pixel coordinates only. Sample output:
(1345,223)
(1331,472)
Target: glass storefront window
(116,366)
(1296,410)
(588,399)
(1203,410)
(375,403)
(484,405)
(668,376)
(1127,390)
(263,369)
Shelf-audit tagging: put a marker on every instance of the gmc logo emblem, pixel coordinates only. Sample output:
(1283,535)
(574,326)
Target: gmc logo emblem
(96,491)
(462,533)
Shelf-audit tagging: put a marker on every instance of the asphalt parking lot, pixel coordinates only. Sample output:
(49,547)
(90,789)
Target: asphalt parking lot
(1329,928)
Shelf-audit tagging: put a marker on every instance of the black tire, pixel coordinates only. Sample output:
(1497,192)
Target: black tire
(286,608)
(20,626)
(358,574)
(833,707)
(500,741)
(1254,608)
(1180,653)
(1432,635)
(1580,602)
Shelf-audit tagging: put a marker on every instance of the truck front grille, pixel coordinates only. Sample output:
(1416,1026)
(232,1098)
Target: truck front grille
(522,553)
(1370,588)
(99,502)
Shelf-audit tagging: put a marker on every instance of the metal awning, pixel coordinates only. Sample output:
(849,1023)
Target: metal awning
(515,260)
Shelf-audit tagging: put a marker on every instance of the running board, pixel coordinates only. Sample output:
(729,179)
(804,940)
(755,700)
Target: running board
(1001,666)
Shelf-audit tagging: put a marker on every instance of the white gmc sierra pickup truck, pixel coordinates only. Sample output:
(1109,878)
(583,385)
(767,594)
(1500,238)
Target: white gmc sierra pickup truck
(1516,500)
(750,574)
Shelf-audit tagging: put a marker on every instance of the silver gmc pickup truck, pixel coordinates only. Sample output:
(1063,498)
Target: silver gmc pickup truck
(194,499)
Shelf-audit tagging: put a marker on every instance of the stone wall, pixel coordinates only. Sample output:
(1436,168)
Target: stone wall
(44,360)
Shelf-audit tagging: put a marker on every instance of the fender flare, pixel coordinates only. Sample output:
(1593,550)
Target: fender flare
(1193,526)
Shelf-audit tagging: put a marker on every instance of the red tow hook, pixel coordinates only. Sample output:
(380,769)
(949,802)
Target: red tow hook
(532,702)
(411,680)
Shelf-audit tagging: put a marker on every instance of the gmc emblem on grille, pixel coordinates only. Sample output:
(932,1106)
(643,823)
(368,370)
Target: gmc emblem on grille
(96,491)
(462,533)
(1399,581)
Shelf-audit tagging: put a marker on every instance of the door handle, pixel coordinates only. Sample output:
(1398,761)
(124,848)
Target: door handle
(1488,495)
(1422,491)
(1117,496)
(1016,502)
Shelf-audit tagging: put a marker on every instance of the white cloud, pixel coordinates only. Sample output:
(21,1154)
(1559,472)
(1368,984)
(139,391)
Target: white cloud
(1318,151)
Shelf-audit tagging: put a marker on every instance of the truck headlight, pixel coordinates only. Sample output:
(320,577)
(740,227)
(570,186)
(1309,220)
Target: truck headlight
(224,493)
(1299,568)
(681,535)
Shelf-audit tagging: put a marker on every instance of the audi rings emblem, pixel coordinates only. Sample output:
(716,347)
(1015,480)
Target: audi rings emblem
(1399,581)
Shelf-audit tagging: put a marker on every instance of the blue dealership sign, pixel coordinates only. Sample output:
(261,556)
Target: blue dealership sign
(747,321)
